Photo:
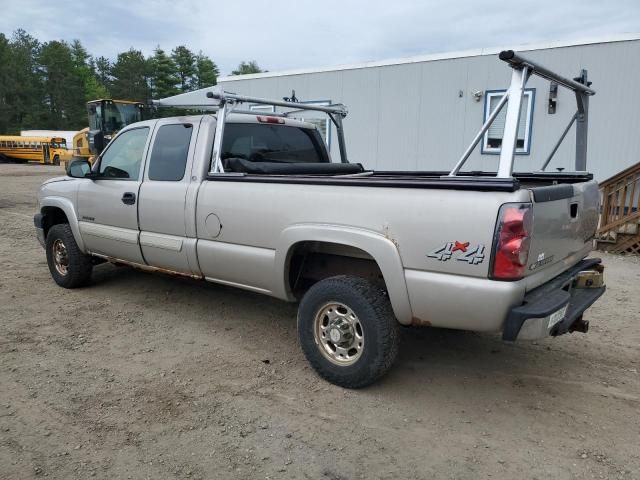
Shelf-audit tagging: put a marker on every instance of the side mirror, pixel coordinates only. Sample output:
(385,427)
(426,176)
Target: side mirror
(79,168)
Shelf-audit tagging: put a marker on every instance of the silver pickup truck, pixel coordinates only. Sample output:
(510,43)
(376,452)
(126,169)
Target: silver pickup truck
(255,201)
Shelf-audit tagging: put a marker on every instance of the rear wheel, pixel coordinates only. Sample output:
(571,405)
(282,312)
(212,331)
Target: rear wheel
(347,331)
(69,267)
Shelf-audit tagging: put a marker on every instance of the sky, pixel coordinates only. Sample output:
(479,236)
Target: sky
(291,34)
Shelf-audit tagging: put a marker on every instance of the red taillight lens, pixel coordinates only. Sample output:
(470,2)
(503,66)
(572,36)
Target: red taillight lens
(263,119)
(512,241)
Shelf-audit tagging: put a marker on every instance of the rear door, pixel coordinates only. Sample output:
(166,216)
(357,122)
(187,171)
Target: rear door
(163,194)
(108,204)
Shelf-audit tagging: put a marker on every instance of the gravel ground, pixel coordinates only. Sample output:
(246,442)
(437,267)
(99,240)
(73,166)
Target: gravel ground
(147,376)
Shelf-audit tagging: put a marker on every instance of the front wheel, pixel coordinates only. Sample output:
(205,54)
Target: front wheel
(69,267)
(348,331)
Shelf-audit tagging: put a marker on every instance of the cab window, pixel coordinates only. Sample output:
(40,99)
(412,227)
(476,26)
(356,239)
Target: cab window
(123,157)
(272,143)
(169,154)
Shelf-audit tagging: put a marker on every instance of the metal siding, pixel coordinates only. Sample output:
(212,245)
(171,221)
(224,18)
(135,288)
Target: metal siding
(439,141)
(320,86)
(410,116)
(397,132)
(614,123)
(362,88)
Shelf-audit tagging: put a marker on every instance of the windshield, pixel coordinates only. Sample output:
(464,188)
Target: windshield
(110,117)
(119,115)
(58,143)
(272,143)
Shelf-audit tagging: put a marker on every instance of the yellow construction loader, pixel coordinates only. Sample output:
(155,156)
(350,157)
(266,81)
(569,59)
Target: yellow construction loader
(106,118)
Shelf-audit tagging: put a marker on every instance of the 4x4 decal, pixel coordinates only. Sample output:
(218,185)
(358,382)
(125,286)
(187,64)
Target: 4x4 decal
(473,255)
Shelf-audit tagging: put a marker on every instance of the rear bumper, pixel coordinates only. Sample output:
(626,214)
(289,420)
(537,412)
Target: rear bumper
(535,318)
(38,223)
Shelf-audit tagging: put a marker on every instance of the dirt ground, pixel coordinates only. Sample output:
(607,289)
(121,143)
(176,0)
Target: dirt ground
(146,376)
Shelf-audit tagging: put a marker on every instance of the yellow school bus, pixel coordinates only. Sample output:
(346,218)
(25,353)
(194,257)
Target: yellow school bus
(46,150)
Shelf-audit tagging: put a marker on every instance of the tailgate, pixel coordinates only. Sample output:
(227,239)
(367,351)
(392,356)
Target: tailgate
(565,218)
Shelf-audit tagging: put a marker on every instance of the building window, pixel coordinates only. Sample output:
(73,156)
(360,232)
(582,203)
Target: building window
(492,141)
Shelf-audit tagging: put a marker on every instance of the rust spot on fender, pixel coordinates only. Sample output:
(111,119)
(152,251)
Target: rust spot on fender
(387,234)
(418,322)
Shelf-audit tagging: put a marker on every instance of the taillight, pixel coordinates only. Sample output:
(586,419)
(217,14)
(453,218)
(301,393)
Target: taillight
(512,241)
(263,119)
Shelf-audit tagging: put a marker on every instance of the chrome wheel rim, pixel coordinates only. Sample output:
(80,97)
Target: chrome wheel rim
(60,257)
(339,334)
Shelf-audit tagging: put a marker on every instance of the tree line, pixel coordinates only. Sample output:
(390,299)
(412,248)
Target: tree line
(46,85)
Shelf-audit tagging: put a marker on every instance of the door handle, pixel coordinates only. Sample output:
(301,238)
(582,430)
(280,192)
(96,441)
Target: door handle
(129,198)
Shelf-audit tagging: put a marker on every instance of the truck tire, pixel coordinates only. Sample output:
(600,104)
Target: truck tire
(348,331)
(69,267)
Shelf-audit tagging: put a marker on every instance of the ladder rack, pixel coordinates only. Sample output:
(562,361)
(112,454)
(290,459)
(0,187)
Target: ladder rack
(227,102)
(523,69)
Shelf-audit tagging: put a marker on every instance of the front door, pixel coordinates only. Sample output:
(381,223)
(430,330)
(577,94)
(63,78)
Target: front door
(108,204)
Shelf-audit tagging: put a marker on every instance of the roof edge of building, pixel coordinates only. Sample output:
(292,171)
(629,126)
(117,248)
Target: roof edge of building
(477,52)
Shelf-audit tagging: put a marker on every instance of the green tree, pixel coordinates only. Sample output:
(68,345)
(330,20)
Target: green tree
(47,85)
(185,62)
(6,83)
(24,91)
(246,68)
(206,72)
(79,54)
(164,74)
(94,89)
(64,86)
(85,67)
(103,70)
(130,77)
